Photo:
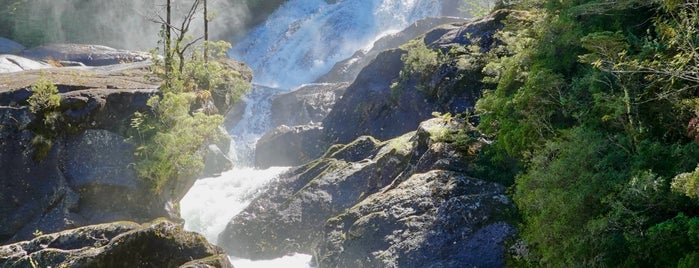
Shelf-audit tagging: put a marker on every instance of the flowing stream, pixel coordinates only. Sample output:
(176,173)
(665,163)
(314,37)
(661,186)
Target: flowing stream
(302,40)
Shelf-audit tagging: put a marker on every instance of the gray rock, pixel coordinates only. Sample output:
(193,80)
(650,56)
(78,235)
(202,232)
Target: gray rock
(235,114)
(405,202)
(120,244)
(215,161)
(371,106)
(12,63)
(99,157)
(90,55)
(88,175)
(306,104)
(8,46)
(348,69)
(289,146)
(289,216)
(434,219)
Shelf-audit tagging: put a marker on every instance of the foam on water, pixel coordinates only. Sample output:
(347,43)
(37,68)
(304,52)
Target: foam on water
(305,38)
(302,40)
(212,202)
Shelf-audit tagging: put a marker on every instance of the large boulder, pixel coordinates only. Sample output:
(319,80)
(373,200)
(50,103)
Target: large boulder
(434,219)
(382,204)
(306,104)
(90,55)
(289,216)
(289,146)
(89,164)
(385,105)
(160,243)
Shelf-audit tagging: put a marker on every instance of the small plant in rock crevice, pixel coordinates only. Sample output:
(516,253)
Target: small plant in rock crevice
(44,103)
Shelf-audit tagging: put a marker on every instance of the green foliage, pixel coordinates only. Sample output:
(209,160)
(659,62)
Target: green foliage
(44,97)
(591,106)
(420,64)
(172,136)
(44,103)
(171,140)
(477,8)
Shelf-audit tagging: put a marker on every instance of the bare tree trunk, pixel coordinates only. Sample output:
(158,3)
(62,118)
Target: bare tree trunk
(206,32)
(168,39)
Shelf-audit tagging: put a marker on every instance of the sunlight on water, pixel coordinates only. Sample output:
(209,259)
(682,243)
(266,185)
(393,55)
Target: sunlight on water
(303,39)
(294,261)
(212,202)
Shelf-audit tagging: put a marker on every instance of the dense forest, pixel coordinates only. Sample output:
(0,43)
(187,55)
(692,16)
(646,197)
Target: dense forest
(593,109)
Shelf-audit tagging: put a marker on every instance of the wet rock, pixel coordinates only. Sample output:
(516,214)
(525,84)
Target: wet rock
(120,244)
(348,69)
(8,46)
(289,146)
(407,202)
(12,63)
(215,161)
(235,114)
(90,55)
(289,216)
(307,104)
(375,104)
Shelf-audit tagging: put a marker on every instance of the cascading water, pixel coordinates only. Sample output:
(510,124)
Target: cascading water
(305,38)
(302,40)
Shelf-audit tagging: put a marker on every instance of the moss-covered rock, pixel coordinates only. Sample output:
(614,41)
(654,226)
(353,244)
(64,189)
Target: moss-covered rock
(388,99)
(405,202)
(86,173)
(160,243)
(289,216)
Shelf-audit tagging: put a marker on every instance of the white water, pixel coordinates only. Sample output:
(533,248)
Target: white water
(305,38)
(299,42)
(255,123)
(212,202)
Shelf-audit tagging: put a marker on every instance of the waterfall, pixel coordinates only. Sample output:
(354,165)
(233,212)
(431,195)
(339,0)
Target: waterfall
(305,38)
(255,123)
(300,41)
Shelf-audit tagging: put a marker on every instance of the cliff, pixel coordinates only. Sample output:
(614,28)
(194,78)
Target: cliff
(79,170)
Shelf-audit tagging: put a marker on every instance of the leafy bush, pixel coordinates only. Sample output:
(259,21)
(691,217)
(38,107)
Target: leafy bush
(182,121)
(44,103)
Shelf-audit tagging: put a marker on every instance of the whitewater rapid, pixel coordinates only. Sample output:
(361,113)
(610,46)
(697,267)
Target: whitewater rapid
(303,39)
(212,202)
(299,42)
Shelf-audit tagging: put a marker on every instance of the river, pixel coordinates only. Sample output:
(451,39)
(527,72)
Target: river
(299,42)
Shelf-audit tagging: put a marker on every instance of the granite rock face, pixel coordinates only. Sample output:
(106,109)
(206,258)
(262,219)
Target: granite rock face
(289,146)
(405,202)
(306,104)
(160,243)
(374,104)
(87,174)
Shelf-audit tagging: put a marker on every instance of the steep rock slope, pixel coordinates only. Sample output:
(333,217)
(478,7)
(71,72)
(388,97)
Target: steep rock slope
(370,203)
(384,103)
(86,175)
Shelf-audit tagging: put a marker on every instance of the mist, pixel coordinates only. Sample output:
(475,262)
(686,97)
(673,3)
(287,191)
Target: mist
(129,24)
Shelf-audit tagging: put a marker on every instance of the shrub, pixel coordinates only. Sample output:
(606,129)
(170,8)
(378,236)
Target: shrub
(44,103)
